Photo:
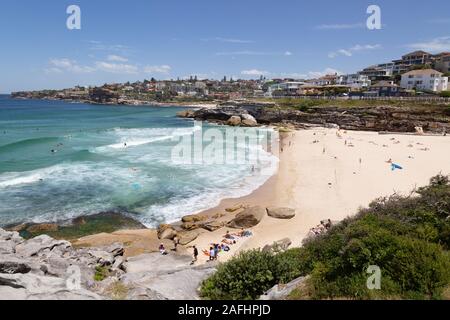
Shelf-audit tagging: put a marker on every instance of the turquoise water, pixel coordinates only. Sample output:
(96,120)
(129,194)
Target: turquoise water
(91,170)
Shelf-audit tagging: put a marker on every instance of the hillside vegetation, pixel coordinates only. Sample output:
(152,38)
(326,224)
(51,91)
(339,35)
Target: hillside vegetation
(407,237)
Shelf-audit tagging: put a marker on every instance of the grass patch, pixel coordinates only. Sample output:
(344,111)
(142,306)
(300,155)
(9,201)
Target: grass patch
(101,273)
(118,291)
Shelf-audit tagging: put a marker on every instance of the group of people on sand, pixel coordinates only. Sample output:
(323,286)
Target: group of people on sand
(229,239)
(322,228)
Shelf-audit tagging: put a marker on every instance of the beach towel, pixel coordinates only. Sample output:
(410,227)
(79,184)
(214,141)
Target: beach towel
(395,167)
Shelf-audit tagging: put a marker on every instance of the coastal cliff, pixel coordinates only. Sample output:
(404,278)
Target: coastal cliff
(368,118)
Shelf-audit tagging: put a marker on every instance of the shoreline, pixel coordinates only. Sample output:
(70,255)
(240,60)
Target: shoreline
(350,174)
(131,103)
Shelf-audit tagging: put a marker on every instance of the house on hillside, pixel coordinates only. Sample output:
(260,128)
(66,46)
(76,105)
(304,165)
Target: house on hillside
(425,80)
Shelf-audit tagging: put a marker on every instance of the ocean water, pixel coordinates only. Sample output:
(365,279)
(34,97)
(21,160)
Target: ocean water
(91,170)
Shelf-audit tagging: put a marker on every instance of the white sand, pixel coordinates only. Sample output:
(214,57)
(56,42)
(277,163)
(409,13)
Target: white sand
(305,173)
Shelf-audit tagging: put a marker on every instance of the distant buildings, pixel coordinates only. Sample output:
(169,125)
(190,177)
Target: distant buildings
(354,81)
(442,62)
(425,80)
(385,89)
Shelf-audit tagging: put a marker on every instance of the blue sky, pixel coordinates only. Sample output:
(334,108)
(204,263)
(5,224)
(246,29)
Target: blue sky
(136,39)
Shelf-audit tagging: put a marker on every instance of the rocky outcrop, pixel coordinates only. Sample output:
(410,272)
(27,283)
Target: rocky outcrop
(45,268)
(170,277)
(390,118)
(281,213)
(248,218)
(194,218)
(40,268)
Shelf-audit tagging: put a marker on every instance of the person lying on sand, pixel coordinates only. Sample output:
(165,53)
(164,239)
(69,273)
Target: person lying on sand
(229,242)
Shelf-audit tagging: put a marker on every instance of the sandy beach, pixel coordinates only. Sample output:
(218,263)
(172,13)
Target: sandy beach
(323,174)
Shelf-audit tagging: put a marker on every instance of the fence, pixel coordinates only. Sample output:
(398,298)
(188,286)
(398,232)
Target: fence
(414,99)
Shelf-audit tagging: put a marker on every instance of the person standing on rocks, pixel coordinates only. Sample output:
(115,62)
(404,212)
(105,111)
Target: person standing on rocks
(176,242)
(195,254)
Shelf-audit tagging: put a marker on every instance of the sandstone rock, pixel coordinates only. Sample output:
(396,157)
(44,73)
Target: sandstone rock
(194,218)
(234,208)
(35,287)
(39,244)
(116,249)
(281,213)
(118,263)
(278,246)
(234,121)
(186,114)
(189,226)
(12,265)
(214,225)
(249,120)
(248,218)
(166,232)
(43,228)
(10,236)
(187,237)
(6,247)
(103,258)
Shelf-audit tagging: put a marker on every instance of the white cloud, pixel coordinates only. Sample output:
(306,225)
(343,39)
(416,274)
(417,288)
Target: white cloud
(288,53)
(116,58)
(340,26)
(165,69)
(100,46)
(434,45)
(64,64)
(253,53)
(116,67)
(254,72)
(350,51)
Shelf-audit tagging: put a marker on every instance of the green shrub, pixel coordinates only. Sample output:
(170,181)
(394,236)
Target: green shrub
(101,273)
(244,277)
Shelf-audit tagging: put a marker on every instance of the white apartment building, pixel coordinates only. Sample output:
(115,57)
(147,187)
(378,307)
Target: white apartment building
(290,87)
(354,81)
(427,80)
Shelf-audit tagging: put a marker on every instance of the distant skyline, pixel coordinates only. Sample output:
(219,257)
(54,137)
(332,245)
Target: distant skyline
(136,40)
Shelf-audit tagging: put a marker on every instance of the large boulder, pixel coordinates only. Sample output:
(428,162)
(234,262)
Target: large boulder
(214,225)
(187,237)
(281,213)
(166,232)
(194,218)
(234,121)
(248,218)
(248,120)
(278,246)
